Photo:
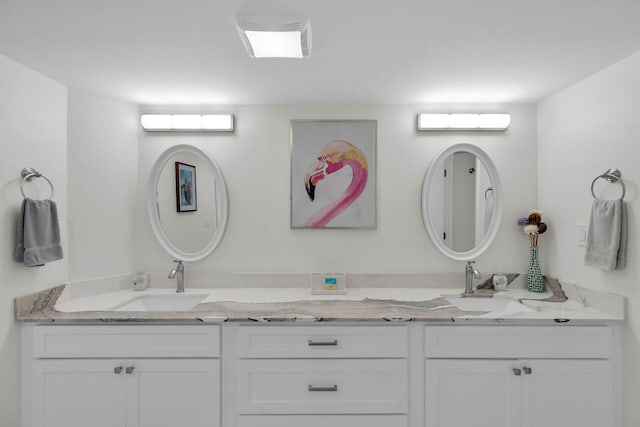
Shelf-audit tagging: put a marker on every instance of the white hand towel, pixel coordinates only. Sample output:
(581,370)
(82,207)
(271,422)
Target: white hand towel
(38,235)
(607,235)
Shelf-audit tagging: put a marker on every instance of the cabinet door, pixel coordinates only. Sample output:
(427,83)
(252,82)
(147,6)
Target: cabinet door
(174,392)
(78,393)
(561,393)
(471,392)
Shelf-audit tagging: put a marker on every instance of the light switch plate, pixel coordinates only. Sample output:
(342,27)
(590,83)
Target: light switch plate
(581,234)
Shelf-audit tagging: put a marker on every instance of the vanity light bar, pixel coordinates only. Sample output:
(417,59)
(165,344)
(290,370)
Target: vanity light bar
(187,122)
(466,121)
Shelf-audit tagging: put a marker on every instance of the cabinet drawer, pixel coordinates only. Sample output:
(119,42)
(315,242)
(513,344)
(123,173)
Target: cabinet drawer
(322,386)
(126,341)
(593,342)
(322,420)
(321,342)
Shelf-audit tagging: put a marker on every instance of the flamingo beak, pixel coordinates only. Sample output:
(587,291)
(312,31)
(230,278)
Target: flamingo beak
(315,174)
(310,187)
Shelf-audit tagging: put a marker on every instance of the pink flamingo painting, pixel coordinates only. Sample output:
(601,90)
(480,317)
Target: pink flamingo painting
(333,157)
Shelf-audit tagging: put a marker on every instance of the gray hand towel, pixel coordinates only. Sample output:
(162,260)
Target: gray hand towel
(607,236)
(621,261)
(38,238)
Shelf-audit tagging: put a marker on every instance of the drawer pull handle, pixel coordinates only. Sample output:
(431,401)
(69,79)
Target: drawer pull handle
(323,343)
(117,370)
(517,371)
(129,370)
(317,388)
(527,370)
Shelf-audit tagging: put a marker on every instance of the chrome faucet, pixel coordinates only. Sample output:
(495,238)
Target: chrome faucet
(178,274)
(469,274)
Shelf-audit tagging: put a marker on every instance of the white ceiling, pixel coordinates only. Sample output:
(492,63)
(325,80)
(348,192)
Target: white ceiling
(364,51)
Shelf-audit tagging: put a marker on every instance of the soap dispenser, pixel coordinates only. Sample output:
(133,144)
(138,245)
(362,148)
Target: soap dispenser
(500,280)
(140,281)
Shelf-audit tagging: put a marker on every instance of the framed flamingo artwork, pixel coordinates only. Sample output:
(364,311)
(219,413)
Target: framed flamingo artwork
(333,174)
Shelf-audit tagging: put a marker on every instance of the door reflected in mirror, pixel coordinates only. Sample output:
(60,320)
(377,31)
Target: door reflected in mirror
(461,203)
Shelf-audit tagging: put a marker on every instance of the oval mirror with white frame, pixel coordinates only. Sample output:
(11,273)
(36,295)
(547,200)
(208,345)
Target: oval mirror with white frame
(187,202)
(462,201)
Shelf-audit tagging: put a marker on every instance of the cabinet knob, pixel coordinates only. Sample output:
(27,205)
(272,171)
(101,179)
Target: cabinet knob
(527,370)
(323,343)
(318,388)
(117,370)
(516,371)
(129,370)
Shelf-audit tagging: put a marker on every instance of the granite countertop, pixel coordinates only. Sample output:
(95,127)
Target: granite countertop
(73,303)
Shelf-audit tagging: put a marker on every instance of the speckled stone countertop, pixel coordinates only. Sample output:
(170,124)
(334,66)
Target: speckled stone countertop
(99,302)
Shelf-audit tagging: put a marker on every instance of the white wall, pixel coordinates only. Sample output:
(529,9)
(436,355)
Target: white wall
(255,162)
(103,173)
(582,131)
(33,118)
(593,122)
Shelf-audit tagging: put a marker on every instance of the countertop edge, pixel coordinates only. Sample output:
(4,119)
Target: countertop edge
(598,306)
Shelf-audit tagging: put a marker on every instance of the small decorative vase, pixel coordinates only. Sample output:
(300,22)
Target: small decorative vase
(534,281)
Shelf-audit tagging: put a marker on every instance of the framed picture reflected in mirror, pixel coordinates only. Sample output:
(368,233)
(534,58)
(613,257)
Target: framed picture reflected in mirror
(186,194)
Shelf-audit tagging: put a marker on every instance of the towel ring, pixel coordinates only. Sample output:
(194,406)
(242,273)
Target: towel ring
(28,175)
(610,175)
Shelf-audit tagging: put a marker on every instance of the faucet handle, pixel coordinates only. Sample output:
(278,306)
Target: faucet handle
(180,266)
(475,272)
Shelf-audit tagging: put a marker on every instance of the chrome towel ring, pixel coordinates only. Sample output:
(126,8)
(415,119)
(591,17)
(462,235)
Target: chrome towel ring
(28,175)
(610,175)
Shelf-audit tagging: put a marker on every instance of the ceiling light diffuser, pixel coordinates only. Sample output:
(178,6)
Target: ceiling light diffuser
(275,36)
(465,121)
(187,122)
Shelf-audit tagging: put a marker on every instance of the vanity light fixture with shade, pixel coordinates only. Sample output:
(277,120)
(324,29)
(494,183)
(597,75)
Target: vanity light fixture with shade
(187,122)
(463,121)
(275,36)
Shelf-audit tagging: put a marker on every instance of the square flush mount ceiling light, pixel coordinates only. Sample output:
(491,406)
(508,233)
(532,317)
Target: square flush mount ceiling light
(473,121)
(275,36)
(187,122)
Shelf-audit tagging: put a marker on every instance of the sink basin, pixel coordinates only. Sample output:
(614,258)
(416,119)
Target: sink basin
(176,302)
(488,304)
